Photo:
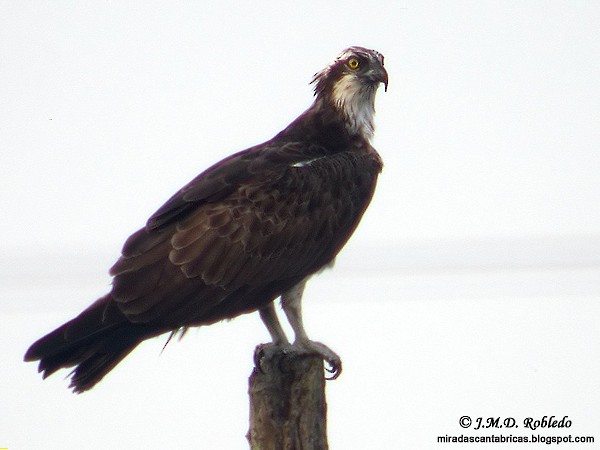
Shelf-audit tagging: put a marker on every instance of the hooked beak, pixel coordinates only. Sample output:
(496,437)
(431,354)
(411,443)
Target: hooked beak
(384,78)
(379,75)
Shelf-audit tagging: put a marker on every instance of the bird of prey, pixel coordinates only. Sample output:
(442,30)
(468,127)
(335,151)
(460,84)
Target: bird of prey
(250,229)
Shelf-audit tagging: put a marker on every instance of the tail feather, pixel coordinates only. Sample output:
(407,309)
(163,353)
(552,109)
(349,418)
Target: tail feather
(103,356)
(94,343)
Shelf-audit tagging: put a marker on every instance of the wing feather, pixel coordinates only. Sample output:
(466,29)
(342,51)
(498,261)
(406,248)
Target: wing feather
(239,235)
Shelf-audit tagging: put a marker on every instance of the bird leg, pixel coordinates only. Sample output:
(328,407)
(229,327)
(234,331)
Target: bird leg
(269,318)
(280,340)
(291,301)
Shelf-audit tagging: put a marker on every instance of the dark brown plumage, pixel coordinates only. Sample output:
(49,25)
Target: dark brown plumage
(249,229)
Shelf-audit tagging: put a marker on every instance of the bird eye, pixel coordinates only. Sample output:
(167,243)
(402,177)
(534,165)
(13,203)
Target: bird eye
(353,63)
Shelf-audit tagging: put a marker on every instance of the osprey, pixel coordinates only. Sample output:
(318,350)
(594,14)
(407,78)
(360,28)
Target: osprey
(250,229)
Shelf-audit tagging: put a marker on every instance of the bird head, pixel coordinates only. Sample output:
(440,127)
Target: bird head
(349,85)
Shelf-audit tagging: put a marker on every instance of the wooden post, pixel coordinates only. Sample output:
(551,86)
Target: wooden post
(287,402)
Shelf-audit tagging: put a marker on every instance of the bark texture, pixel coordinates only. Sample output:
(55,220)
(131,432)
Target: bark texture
(287,402)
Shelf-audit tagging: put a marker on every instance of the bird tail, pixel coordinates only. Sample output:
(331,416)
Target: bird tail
(94,343)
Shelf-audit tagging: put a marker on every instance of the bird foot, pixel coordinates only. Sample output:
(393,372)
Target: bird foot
(265,352)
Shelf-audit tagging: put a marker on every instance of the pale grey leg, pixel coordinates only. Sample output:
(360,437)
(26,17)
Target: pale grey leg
(280,340)
(291,301)
(269,318)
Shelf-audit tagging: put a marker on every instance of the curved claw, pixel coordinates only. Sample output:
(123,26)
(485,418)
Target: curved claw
(259,354)
(334,363)
(335,369)
(329,356)
(268,351)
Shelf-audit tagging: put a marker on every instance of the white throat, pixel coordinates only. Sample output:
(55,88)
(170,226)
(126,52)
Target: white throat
(357,102)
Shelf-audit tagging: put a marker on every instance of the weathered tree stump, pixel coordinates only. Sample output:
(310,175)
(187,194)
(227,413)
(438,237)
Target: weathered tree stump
(287,402)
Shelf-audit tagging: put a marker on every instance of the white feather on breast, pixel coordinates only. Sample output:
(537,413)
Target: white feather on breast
(357,101)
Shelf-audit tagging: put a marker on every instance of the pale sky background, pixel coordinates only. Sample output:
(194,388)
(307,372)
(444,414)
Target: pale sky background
(471,287)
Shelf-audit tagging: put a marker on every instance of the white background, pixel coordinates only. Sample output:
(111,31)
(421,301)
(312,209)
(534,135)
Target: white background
(471,287)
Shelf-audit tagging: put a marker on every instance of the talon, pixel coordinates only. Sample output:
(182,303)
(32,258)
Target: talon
(259,354)
(335,369)
(334,363)
(266,352)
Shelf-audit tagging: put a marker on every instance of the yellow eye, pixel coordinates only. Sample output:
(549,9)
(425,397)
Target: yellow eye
(353,63)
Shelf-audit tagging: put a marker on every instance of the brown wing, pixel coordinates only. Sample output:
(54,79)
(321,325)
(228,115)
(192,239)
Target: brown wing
(220,180)
(242,233)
